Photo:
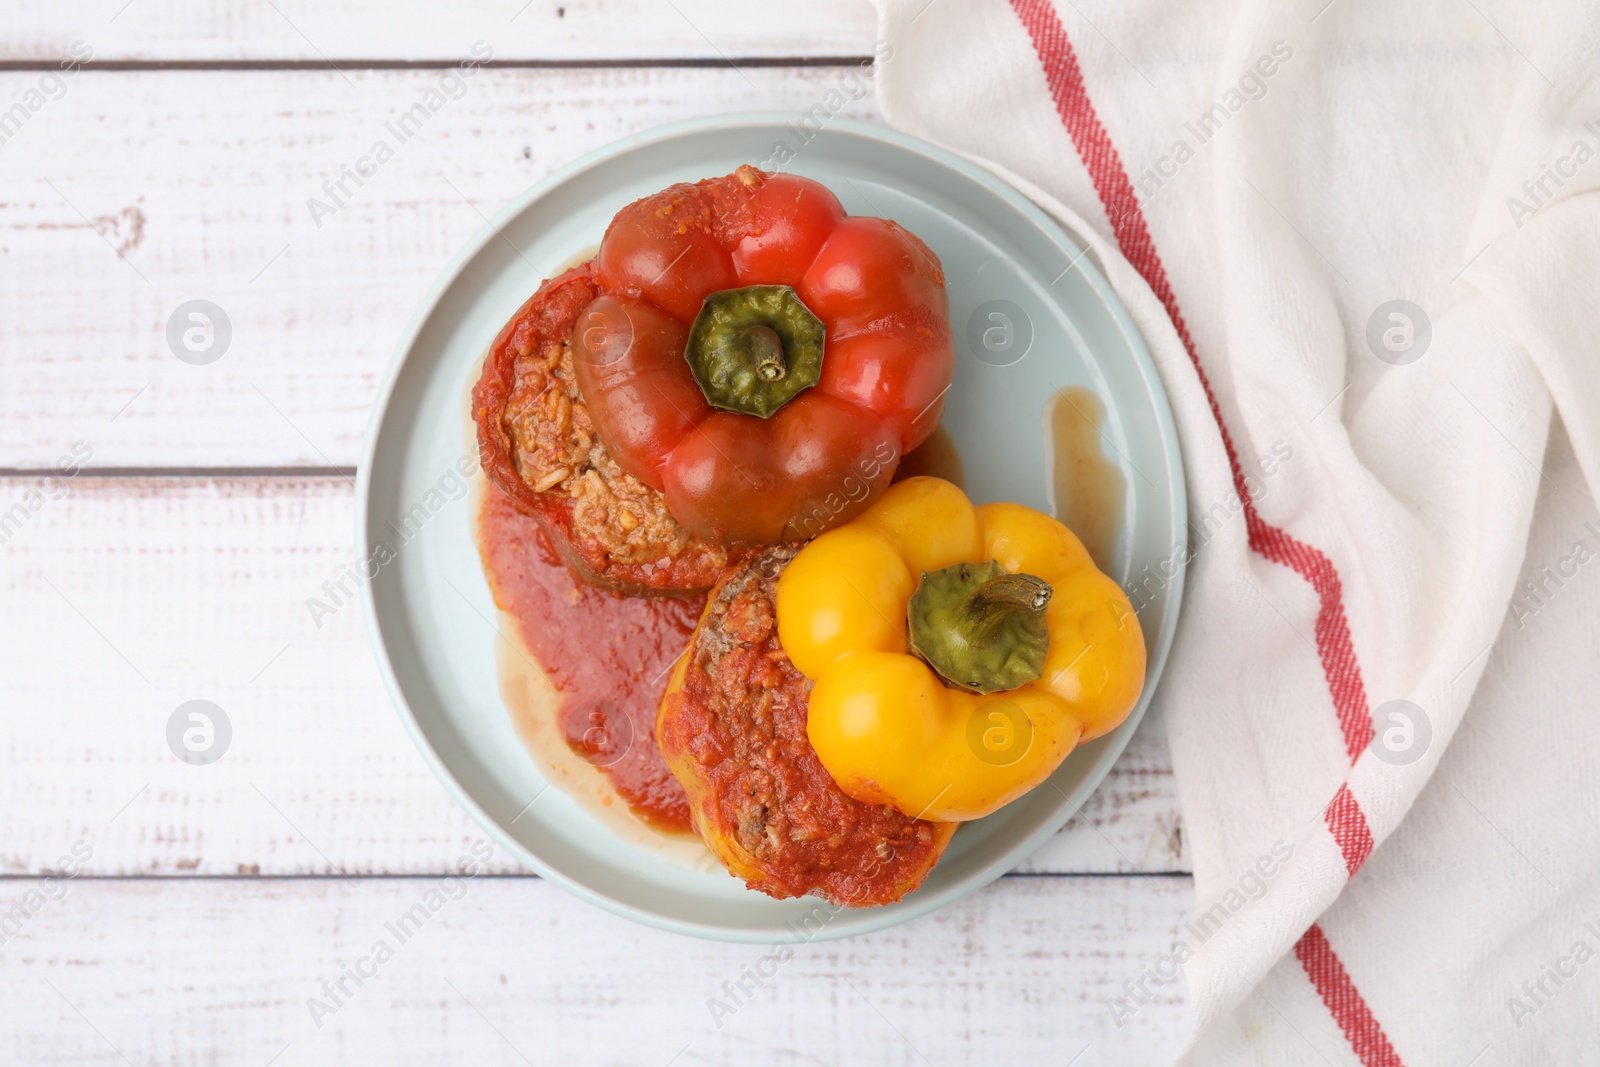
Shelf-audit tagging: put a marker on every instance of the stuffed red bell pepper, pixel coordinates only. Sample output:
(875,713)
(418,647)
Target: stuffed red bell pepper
(760,357)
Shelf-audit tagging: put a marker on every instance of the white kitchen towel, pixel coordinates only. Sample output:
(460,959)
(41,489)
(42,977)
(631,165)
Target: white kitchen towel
(1363,243)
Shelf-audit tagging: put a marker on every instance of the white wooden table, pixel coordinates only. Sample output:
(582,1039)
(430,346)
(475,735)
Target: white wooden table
(216,900)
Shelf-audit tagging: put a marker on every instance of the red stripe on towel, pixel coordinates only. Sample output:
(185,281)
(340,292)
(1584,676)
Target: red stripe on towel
(1348,824)
(1344,1001)
(1346,821)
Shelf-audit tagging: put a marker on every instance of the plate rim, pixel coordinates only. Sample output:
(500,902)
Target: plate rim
(916,905)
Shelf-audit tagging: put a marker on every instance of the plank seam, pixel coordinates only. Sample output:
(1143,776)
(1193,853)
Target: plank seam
(346,65)
(91,474)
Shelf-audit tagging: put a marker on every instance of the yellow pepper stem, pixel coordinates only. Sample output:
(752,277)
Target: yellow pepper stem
(980,627)
(1003,594)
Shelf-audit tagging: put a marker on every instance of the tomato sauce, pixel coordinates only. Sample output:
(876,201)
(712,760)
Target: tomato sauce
(607,655)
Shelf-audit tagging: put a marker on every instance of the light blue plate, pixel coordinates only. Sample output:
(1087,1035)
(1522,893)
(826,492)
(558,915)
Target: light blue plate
(430,611)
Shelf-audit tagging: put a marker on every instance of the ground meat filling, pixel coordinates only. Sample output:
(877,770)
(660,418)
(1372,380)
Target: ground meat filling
(557,450)
(735,734)
(539,446)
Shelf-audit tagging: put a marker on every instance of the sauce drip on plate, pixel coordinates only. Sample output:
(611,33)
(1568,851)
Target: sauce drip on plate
(608,657)
(1087,490)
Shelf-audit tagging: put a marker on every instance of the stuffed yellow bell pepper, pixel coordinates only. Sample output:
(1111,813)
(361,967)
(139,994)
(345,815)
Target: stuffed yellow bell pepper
(958,653)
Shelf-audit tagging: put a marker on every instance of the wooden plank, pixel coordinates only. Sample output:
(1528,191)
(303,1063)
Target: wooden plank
(129,596)
(514,971)
(416,30)
(197,188)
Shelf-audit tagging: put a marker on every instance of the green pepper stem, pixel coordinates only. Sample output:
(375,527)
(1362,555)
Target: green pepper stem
(999,596)
(754,349)
(766,352)
(979,627)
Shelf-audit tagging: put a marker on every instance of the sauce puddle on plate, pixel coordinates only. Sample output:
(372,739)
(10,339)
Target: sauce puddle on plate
(584,672)
(1087,490)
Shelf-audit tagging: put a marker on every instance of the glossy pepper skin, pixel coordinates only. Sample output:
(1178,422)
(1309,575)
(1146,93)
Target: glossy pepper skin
(882,721)
(820,457)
